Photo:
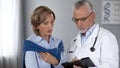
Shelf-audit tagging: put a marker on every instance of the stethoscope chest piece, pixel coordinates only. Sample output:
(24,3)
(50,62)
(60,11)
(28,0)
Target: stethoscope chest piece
(92,49)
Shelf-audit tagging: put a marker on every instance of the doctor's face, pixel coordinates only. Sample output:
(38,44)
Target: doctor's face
(83,18)
(46,27)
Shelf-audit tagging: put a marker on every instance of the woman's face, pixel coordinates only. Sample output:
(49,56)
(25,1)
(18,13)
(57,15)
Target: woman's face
(46,27)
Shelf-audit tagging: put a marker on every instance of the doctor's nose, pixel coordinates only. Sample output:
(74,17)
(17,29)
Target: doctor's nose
(79,23)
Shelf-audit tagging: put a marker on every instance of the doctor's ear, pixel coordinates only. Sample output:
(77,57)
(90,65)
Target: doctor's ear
(93,17)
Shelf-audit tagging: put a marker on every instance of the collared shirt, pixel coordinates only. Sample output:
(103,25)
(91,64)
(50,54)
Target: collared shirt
(32,59)
(88,33)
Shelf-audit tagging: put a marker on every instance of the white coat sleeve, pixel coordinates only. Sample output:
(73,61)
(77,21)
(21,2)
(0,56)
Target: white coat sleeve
(30,60)
(109,52)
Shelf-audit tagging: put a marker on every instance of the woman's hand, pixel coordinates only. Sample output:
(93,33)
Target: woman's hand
(47,57)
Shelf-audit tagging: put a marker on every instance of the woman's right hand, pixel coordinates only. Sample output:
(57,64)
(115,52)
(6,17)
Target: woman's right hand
(47,57)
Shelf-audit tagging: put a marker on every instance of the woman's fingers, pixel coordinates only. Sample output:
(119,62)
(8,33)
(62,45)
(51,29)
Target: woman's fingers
(48,58)
(43,55)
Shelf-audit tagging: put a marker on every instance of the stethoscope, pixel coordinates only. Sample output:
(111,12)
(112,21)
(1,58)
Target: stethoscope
(92,49)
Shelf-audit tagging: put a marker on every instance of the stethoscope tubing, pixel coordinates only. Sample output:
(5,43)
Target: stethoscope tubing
(92,49)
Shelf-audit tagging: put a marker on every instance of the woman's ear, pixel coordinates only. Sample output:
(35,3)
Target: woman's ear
(37,27)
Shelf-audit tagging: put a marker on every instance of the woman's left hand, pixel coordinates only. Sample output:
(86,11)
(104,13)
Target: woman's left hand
(47,57)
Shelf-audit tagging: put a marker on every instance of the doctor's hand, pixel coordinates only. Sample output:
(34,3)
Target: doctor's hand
(47,57)
(75,66)
(75,59)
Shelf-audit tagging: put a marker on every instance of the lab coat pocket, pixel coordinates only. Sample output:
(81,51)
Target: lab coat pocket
(95,57)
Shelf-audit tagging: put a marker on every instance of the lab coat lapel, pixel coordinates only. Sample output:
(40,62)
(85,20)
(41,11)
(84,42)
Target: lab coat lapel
(78,46)
(78,41)
(92,37)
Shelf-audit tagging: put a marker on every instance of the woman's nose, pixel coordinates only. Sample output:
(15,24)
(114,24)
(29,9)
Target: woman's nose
(50,26)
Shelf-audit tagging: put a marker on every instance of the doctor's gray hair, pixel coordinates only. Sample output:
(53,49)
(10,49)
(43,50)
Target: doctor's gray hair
(80,3)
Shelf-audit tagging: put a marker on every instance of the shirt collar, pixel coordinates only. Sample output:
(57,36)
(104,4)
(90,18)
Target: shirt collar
(39,38)
(90,30)
(52,38)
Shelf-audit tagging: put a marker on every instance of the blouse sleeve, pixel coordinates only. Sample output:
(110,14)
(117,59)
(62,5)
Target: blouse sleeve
(30,59)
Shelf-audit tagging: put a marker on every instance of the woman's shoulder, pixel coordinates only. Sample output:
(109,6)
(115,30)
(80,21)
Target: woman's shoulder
(59,42)
(34,38)
(56,39)
(31,37)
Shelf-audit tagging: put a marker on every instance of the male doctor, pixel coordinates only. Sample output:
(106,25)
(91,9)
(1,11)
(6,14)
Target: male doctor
(92,41)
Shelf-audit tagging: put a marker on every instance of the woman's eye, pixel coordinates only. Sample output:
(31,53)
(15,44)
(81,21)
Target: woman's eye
(45,23)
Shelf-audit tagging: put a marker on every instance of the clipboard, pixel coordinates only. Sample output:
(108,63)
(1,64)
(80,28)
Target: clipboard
(84,63)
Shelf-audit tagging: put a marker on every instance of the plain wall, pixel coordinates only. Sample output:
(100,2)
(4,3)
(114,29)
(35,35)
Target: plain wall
(64,27)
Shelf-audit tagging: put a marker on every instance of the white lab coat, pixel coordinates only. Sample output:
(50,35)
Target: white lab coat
(106,54)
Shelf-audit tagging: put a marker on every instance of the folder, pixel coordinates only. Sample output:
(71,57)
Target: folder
(84,63)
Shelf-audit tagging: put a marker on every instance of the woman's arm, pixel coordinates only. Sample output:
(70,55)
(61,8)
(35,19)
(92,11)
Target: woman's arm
(30,59)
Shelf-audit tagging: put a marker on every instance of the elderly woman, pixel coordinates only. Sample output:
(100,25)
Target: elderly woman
(43,50)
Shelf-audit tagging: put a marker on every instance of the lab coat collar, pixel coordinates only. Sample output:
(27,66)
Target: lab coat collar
(95,31)
(92,37)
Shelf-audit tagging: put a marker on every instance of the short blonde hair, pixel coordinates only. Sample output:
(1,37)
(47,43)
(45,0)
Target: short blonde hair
(38,16)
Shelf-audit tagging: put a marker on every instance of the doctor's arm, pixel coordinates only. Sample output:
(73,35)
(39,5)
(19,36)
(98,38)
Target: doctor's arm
(109,52)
